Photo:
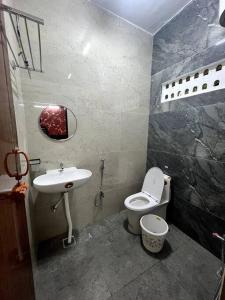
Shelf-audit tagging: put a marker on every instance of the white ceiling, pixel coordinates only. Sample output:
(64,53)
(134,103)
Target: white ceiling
(149,15)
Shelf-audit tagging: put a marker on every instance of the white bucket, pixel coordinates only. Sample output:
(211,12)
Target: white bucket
(154,231)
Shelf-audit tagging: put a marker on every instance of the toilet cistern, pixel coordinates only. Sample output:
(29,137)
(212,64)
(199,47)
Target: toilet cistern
(63,180)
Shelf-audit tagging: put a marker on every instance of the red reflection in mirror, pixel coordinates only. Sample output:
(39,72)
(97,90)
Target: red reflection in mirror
(53,122)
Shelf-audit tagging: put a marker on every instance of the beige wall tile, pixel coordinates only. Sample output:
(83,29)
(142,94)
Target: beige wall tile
(108,90)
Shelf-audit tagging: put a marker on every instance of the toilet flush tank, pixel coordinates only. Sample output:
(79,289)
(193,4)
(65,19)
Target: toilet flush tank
(222,13)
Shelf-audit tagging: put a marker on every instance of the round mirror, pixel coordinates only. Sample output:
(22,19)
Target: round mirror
(58,122)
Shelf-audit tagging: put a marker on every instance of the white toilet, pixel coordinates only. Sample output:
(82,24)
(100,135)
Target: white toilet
(153,198)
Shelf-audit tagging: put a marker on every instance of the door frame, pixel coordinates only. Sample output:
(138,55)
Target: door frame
(8,133)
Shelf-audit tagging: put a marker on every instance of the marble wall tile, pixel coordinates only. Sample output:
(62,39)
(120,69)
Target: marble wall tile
(193,30)
(188,65)
(47,223)
(186,136)
(197,181)
(197,201)
(134,132)
(196,131)
(113,201)
(123,168)
(109,63)
(198,224)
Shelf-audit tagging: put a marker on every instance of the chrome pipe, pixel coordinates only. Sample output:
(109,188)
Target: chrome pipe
(10,47)
(39,38)
(19,42)
(28,38)
(27,17)
(22,14)
(31,69)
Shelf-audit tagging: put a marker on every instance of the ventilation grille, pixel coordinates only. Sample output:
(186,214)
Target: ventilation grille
(201,81)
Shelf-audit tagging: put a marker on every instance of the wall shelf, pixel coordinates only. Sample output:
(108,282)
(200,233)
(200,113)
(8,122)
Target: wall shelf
(22,38)
(204,80)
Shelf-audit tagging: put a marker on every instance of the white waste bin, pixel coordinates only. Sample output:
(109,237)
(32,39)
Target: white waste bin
(154,231)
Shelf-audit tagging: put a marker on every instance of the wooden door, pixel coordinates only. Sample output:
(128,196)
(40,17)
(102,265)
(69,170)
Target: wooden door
(16,279)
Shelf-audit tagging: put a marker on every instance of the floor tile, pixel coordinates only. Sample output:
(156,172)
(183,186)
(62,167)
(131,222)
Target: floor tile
(91,232)
(108,262)
(176,238)
(124,259)
(195,268)
(79,274)
(156,283)
(120,269)
(116,220)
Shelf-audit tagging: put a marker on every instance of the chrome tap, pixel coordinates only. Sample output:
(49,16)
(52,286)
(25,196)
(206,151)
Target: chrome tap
(61,167)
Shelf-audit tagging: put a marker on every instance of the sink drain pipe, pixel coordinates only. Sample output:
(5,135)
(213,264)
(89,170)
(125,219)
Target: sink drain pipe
(70,238)
(55,206)
(68,217)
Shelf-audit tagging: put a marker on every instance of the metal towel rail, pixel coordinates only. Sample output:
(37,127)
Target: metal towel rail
(15,16)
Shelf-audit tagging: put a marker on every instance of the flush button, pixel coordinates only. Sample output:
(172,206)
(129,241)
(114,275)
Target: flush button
(68,185)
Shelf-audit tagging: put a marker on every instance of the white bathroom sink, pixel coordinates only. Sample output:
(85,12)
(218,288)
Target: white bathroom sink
(57,181)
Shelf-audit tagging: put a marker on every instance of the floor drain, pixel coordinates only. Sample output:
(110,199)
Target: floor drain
(66,244)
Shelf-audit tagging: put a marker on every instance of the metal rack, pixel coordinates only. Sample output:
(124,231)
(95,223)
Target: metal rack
(15,16)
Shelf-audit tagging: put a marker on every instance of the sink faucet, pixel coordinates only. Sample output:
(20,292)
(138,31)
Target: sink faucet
(61,167)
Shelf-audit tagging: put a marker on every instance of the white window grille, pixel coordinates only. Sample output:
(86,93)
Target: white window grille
(204,80)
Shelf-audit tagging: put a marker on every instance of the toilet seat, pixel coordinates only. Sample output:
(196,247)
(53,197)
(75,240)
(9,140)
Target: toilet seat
(151,193)
(139,202)
(154,183)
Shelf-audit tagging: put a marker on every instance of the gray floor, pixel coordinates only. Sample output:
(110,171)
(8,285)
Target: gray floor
(109,263)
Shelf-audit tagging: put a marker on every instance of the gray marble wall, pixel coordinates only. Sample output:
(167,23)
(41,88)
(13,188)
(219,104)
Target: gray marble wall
(187,136)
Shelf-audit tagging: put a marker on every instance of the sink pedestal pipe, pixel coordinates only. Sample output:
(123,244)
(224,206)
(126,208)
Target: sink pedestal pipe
(70,238)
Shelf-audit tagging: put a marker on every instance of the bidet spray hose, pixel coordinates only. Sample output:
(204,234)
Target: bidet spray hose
(102,172)
(100,195)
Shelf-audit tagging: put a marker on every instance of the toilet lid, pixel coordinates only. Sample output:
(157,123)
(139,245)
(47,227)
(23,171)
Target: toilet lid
(154,183)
